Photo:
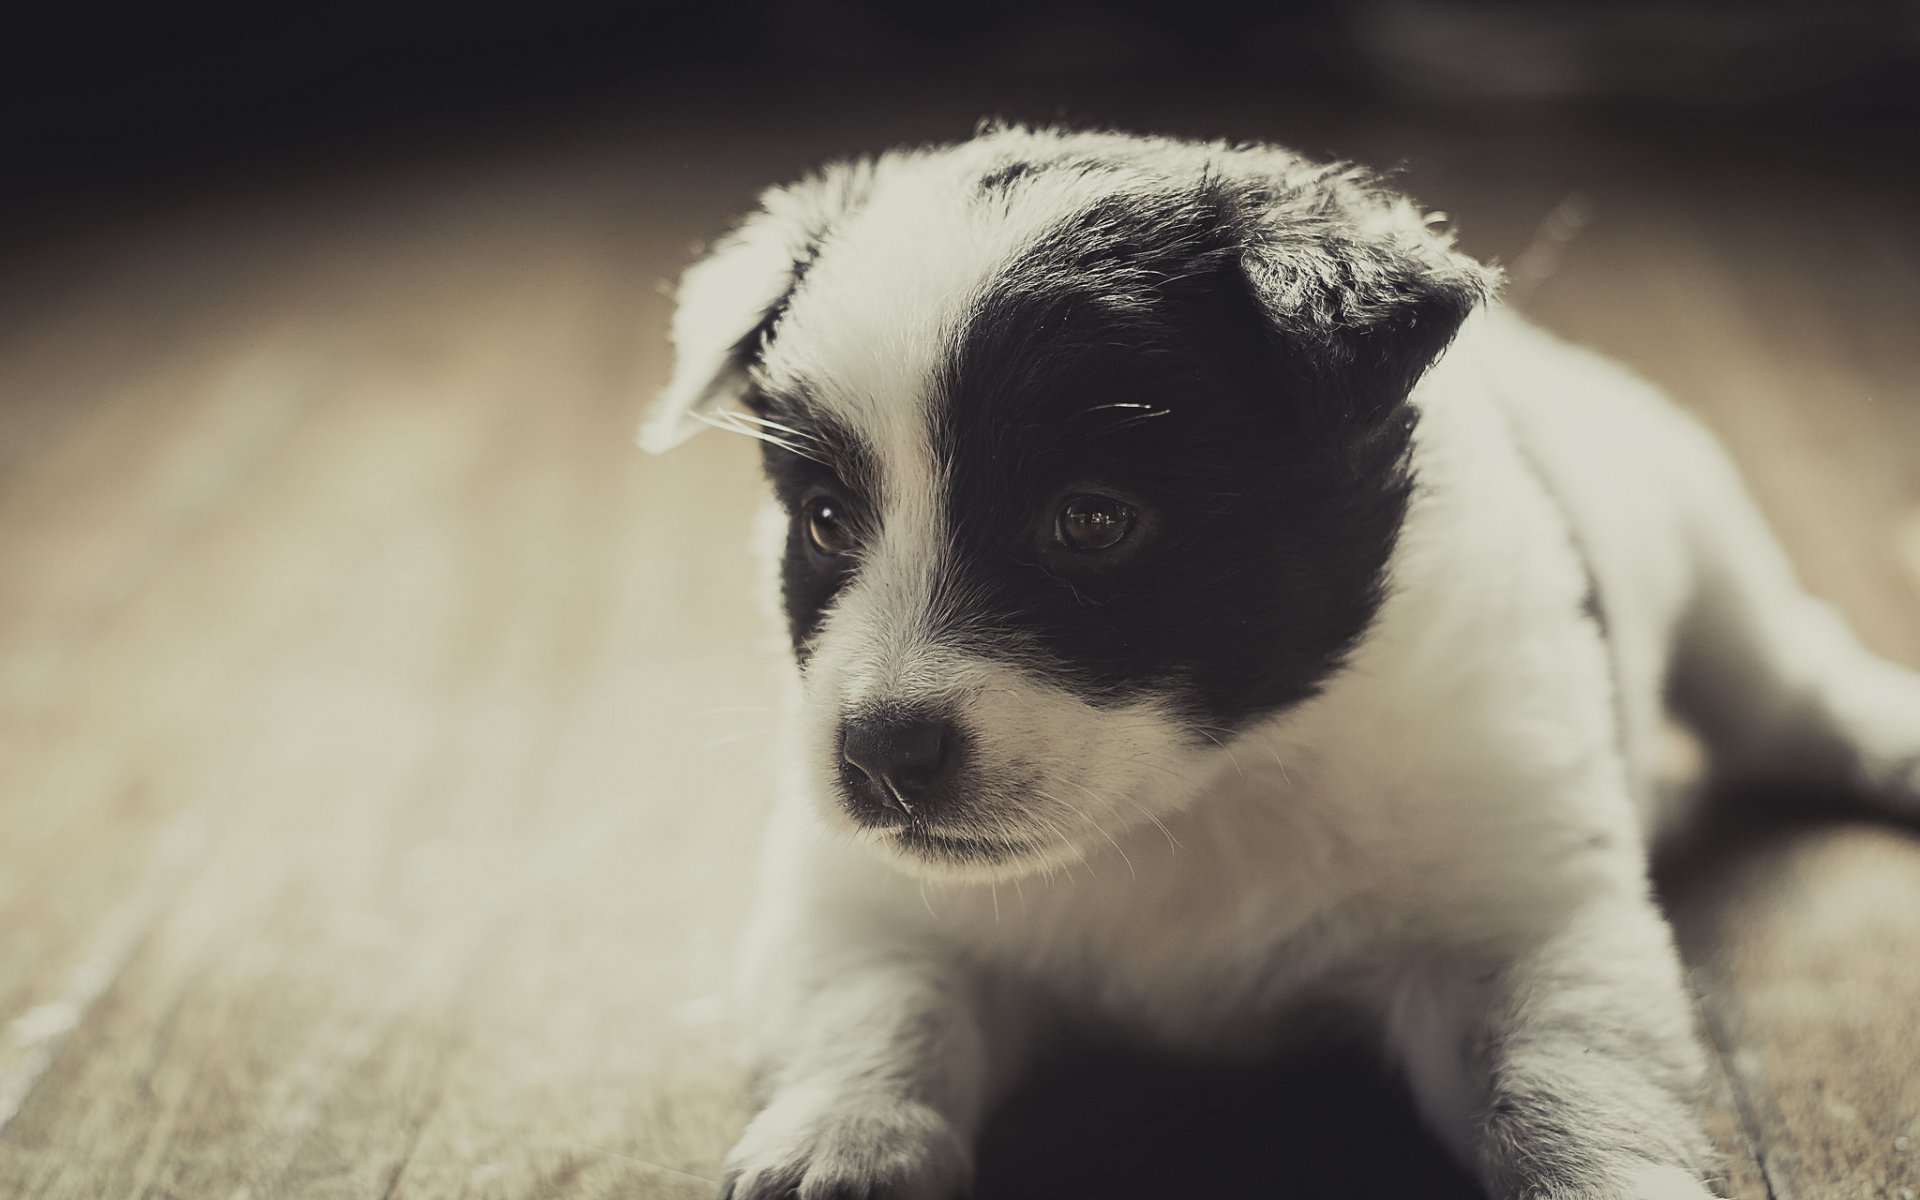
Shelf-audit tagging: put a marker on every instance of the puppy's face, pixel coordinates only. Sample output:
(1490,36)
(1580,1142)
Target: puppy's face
(1085,466)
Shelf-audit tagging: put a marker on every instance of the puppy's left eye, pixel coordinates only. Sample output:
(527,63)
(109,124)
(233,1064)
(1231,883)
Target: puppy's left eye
(1093,523)
(827,527)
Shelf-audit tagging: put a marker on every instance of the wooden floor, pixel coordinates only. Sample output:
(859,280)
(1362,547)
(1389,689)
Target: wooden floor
(381,737)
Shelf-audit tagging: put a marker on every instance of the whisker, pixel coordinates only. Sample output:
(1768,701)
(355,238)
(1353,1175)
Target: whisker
(1169,772)
(1275,755)
(1206,733)
(1138,413)
(1173,843)
(804,435)
(729,421)
(1096,826)
(1073,853)
(739,423)
(1053,831)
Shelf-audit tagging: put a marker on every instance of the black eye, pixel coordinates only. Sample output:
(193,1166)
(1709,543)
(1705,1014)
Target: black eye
(827,526)
(1093,523)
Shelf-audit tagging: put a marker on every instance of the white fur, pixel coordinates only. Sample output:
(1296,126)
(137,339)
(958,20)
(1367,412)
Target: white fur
(1450,840)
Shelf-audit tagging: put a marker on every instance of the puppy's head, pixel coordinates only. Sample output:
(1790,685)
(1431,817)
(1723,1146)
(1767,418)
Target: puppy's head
(1091,449)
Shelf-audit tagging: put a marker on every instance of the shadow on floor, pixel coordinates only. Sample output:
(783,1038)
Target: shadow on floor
(1117,1126)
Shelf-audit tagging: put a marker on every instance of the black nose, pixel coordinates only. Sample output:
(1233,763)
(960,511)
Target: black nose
(898,763)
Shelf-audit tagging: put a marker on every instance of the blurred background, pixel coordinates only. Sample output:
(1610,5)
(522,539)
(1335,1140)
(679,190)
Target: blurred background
(156,103)
(382,739)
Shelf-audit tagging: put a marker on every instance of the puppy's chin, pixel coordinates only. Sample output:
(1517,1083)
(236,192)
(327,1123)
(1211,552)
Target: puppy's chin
(935,855)
(939,852)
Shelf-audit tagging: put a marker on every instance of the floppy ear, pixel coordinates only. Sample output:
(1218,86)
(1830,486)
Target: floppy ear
(1363,291)
(729,302)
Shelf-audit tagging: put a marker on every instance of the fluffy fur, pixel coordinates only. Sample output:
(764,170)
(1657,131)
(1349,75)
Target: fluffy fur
(1357,714)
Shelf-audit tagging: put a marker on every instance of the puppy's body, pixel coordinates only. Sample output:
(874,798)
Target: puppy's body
(1402,772)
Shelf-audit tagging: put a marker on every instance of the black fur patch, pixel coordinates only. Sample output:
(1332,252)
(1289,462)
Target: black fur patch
(1130,354)
(837,466)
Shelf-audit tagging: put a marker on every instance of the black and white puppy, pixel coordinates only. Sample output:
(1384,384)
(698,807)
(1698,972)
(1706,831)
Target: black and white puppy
(1180,535)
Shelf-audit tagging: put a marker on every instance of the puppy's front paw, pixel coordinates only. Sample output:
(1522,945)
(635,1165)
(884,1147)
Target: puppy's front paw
(811,1145)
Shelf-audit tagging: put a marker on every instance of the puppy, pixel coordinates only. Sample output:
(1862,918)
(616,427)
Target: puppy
(1209,607)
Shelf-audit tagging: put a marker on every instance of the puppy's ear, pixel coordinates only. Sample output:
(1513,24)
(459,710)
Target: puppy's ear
(730,302)
(1362,289)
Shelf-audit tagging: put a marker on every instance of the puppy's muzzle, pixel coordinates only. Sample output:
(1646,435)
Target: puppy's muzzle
(899,766)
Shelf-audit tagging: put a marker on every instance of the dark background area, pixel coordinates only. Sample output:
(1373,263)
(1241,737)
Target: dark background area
(101,110)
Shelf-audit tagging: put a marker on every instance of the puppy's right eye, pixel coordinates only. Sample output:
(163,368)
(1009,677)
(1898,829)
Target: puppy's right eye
(827,527)
(1093,523)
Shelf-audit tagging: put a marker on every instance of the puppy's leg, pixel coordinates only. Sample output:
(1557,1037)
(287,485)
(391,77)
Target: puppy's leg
(875,1079)
(1773,679)
(1567,1070)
